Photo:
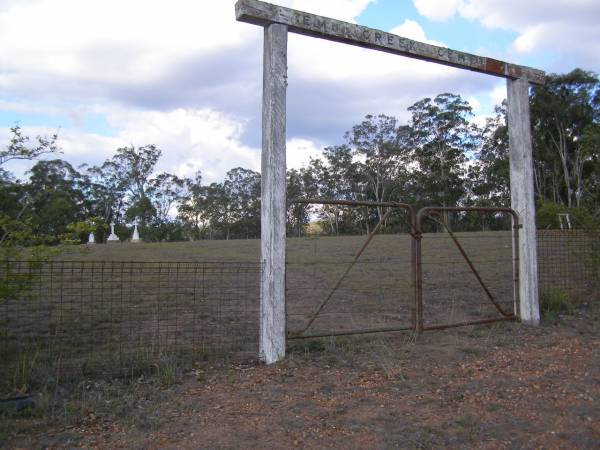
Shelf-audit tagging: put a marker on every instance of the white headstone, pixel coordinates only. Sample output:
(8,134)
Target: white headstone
(112,237)
(91,239)
(136,235)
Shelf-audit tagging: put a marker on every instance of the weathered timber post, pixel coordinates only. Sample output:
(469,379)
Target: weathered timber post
(273,170)
(523,196)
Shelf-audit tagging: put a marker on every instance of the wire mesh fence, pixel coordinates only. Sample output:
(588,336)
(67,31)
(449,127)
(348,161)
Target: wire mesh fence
(74,318)
(113,317)
(569,262)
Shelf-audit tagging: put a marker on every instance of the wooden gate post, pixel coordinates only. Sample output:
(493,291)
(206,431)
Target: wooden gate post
(523,196)
(273,208)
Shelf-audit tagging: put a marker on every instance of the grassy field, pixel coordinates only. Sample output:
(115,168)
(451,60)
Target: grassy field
(170,318)
(119,306)
(377,289)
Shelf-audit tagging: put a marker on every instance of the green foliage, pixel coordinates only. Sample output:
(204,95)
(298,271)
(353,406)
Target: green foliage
(79,232)
(141,210)
(565,111)
(555,301)
(547,216)
(168,370)
(442,138)
(21,147)
(25,370)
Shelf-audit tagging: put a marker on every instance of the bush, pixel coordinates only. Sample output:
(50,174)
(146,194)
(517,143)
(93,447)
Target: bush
(555,301)
(547,216)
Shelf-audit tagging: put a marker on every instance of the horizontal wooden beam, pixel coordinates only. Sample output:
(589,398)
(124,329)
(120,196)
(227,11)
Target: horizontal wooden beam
(262,13)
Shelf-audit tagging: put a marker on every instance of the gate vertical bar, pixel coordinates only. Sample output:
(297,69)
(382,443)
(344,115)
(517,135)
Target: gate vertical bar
(522,196)
(273,169)
(418,265)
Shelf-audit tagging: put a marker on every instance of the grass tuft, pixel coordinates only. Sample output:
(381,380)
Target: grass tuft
(555,301)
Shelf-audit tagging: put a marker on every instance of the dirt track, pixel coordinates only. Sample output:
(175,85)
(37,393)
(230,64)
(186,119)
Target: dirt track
(498,386)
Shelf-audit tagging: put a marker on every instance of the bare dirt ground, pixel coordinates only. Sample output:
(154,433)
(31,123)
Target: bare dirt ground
(498,386)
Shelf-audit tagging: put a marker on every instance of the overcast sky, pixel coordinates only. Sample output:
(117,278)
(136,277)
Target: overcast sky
(184,75)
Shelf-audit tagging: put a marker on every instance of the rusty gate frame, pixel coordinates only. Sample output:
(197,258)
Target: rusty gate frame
(416,276)
(302,334)
(437,210)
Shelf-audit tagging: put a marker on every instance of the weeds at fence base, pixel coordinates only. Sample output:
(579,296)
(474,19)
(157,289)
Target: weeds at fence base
(67,396)
(555,301)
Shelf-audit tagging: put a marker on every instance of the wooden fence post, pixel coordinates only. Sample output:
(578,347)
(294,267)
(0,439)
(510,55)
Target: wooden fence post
(273,202)
(523,196)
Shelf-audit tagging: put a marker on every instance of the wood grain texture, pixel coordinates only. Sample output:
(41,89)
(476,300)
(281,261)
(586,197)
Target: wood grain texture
(523,196)
(273,209)
(261,13)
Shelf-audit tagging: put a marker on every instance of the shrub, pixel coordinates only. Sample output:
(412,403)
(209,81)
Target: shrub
(555,301)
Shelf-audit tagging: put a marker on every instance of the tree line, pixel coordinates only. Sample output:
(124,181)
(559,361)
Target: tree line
(439,157)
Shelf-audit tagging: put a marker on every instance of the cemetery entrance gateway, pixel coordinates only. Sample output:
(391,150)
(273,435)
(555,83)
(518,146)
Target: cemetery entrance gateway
(277,22)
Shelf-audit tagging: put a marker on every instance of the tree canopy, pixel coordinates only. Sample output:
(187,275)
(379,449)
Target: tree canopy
(439,157)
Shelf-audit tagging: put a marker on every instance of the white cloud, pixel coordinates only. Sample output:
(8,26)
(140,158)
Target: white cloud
(413,30)
(317,59)
(475,104)
(498,94)
(568,28)
(300,151)
(190,140)
(186,76)
(436,9)
(113,40)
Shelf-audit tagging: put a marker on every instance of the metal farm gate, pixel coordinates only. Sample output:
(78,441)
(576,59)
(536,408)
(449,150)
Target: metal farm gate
(465,278)
(359,282)
(408,271)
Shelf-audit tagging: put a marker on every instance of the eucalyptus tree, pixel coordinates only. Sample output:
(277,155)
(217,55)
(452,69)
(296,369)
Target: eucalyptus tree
(121,183)
(21,147)
(380,149)
(165,191)
(442,139)
(562,109)
(488,174)
(55,197)
(193,207)
(334,177)
(241,197)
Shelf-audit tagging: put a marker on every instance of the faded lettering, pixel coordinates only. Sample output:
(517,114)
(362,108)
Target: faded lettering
(378,37)
(319,24)
(390,39)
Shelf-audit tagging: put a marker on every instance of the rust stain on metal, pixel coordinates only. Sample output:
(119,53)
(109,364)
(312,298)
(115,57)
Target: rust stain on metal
(495,66)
